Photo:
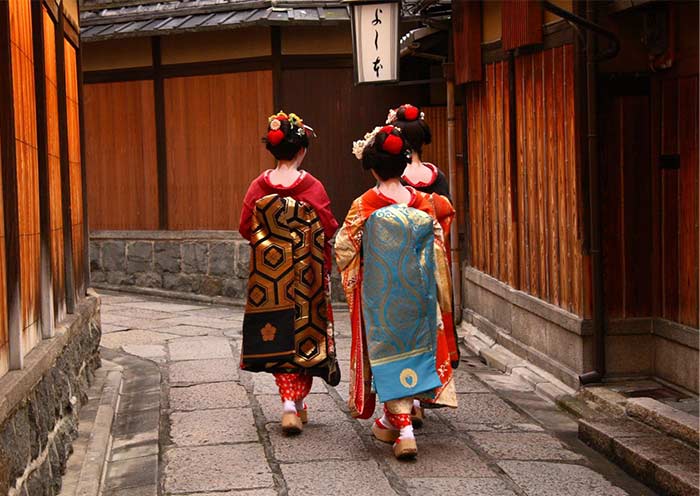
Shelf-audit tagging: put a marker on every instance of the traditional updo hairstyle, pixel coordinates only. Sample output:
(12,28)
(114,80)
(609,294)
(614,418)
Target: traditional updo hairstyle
(286,135)
(388,154)
(413,126)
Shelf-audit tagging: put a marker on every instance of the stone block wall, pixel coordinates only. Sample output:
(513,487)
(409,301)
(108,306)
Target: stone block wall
(39,405)
(209,264)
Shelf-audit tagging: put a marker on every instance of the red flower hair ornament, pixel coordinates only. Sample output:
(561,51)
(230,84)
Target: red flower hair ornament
(405,112)
(393,143)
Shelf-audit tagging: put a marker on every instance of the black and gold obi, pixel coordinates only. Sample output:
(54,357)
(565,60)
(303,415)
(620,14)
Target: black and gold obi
(286,326)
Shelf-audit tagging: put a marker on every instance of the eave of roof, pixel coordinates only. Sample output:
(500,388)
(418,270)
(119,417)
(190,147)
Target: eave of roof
(109,19)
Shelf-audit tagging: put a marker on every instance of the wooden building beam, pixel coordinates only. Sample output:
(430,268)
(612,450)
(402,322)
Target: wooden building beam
(466,28)
(10,195)
(161,144)
(65,166)
(521,23)
(83,173)
(46,276)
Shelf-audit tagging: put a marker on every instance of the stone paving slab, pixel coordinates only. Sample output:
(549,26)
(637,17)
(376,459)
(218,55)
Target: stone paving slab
(487,486)
(129,311)
(153,352)
(216,468)
(193,320)
(199,348)
(116,340)
(203,371)
(220,433)
(216,313)
(134,472)
(150,490)
(339,478)
(523,446)
(482,408)
(433,458)
(162,306)
(550,479)
(319,405)
(337,441)
(252,492)
(204,427)
(208,396)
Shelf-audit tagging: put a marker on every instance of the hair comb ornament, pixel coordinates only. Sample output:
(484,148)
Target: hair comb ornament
(358,147)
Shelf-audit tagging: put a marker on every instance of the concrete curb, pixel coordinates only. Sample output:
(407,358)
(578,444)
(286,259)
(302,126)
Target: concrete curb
(544,384)
(86,470)
(93,471)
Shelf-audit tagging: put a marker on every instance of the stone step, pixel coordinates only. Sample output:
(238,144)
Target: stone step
(663,417)
(86,467)
(650,455)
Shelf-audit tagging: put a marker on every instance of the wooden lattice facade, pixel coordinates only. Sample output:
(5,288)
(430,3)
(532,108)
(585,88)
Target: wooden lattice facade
(530,277)
(42,264)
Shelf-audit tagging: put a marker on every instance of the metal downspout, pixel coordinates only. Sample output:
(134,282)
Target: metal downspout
(598,314)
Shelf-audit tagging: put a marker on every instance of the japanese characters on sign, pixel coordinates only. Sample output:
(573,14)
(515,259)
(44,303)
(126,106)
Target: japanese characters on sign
(375,39)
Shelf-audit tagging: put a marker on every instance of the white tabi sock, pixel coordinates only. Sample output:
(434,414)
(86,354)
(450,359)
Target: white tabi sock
(416,404)
(289,406)
(406,432)
(299,405)
(385,422)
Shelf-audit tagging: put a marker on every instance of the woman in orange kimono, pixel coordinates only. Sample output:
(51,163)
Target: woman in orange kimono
(391,255)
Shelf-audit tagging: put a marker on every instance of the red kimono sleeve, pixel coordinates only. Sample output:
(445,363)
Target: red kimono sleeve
(252,195)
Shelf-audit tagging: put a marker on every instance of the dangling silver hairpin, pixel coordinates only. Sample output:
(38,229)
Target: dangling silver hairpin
(310,130)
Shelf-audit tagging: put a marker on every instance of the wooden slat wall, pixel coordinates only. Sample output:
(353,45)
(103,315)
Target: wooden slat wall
(54,163)
(121,155)
(549,246)
(344,113)
(76,189)
(540,250)
(679,201)
(27,168)
(521,23)
(626,200)
(490,181)
(214,126)
(467,40)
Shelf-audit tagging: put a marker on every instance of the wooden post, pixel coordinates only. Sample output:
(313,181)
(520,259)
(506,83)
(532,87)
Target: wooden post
(46,277)
(65,165)
(161,145)
(83,173)
(466,39)
(10,194)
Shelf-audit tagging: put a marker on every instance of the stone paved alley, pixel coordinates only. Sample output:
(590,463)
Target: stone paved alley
(189,422)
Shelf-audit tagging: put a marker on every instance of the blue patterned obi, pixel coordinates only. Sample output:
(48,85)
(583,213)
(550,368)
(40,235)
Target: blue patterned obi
(399,306)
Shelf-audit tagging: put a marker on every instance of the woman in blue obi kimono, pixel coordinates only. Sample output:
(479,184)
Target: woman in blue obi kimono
(288,323)
(391,255)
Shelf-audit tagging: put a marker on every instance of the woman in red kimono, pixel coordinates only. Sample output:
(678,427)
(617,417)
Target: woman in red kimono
(278,209)
(427,178)
(391,255)
(421,175)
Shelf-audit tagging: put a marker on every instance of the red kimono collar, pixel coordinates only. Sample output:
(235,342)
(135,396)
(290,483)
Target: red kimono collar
(421,184)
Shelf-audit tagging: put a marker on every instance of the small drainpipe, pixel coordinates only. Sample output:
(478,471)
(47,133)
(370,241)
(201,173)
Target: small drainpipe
(598,311)
(452,177)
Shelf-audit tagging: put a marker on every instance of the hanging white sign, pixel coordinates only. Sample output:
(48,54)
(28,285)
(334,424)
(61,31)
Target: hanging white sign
(375,33)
